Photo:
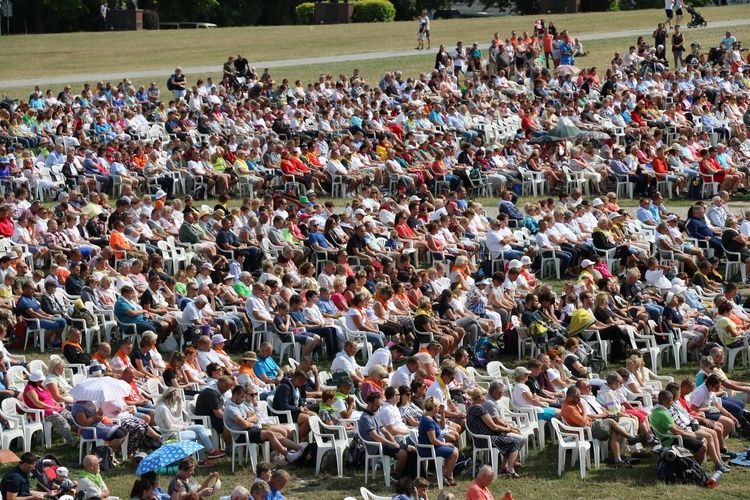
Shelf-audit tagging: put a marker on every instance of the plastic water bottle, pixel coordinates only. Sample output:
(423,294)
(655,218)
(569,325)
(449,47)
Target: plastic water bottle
(712,481)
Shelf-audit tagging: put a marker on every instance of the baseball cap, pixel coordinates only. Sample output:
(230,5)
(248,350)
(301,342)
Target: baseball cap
(520,371)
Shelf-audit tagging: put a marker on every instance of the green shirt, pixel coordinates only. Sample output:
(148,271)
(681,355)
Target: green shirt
(191,233)
(242,289)
(662,421)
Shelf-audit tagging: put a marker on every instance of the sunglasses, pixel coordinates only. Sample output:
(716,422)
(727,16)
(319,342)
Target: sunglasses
(252,394)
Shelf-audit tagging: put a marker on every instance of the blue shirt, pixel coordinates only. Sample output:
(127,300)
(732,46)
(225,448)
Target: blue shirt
(275,495)
(118,169)
(319,238)
(123,305)
(267,367)
(697,228)
(326,306)
(25,303)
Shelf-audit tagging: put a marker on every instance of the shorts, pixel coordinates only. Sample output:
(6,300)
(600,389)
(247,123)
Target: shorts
(391,451)
(254,433)
(692,444)
(670,13)
(601,429)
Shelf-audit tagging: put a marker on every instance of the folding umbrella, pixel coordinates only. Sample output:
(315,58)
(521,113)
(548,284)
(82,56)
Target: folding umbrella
(167,455)
(565,131)
(567,69)
(100,389)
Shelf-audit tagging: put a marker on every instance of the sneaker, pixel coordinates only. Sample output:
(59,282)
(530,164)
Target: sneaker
(640,438)
(722,467)
(206,463)
(303,446)
(291,457)
(732,455)
(216,454)
(657,448)
(279,460)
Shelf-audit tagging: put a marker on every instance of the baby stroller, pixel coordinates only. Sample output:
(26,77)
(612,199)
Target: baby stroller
(696,19)
(45,472)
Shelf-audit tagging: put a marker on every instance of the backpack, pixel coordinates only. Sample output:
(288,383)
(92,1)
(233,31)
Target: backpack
(84,314)
(482,347)
(169,83)
(677,465)
(355,457)
(241,342)
(106,458)
(307,459)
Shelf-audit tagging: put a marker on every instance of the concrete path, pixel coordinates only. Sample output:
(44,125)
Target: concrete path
(155,73)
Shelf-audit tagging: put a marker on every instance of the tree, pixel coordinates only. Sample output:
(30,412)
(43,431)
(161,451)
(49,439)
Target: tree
(500,4)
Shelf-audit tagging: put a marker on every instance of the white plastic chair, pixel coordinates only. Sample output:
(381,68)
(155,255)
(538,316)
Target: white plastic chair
(482,446)
(573,439)
(337,442)
(413,434)
(372,460)
(369,495)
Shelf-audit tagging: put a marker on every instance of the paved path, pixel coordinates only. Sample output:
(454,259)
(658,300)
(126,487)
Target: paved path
(153,73)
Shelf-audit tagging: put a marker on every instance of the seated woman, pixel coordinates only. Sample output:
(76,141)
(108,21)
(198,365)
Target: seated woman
(55,383)
(168,423)
(523,398)
(85,414)
(426,326)
(429,433)
(36,396)
(174,374)
(730,333)
(374,381)
(330,415)
(137,429)
(478,421)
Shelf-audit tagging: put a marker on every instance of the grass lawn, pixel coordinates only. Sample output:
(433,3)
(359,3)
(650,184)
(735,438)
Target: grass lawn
(60,54)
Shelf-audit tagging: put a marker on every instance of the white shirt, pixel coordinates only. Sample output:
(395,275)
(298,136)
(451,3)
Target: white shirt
(435,391)
(657,278)
(381,356)
(205,358)
(702,397)
(344,362)
(402,376)
(390,415)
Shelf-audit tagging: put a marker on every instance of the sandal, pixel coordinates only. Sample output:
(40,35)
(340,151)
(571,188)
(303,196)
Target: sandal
(451,482)
(513,475)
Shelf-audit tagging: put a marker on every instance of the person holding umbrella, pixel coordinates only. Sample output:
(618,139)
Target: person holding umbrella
(183,482)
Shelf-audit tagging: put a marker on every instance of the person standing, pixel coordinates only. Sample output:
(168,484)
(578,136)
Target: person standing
(426,23)
(103,11)
(678,46)
(459,57)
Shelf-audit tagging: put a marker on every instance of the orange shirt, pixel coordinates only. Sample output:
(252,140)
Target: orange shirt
(547,41)
(62,275)
(117,239)
(573,415)
(660,167)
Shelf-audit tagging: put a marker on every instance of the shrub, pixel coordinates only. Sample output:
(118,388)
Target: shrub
(373,11)
(150,20)
(305,13)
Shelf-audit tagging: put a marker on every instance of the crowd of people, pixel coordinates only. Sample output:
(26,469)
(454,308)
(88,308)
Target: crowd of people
(410,272)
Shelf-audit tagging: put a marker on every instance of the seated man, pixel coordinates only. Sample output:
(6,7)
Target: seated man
(210,403)
(370,429)
(91,484)
(127,313)
(16,485)
(664,426)
(238,419)
(603,425)
(290,396)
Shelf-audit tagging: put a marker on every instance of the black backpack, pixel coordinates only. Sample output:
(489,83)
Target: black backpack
(241,342)
(677,465)
(106,458)
(355,458)
(307,459)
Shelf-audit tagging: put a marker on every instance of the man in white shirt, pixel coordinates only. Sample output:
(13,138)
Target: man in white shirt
(206,355)
(256,307)
(390,416)
(405,374)
(385,356)
(327,276)
(345,362)
(545,245)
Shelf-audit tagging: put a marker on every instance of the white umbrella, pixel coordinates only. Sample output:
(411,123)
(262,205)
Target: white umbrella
(567,69)
(100,389)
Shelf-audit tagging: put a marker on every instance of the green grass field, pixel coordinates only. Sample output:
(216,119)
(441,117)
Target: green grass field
(61,54)
(87,53)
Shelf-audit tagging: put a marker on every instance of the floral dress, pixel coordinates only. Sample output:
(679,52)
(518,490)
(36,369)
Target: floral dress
(500,440)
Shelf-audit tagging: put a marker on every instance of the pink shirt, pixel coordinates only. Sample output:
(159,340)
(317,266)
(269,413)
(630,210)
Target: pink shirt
(43,395)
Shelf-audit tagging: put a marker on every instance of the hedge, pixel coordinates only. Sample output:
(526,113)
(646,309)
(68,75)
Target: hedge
(150,20)
(305,13)
(373,11)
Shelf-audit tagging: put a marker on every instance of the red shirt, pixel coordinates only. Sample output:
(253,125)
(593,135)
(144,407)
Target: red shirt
(6,227)
(660,167)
